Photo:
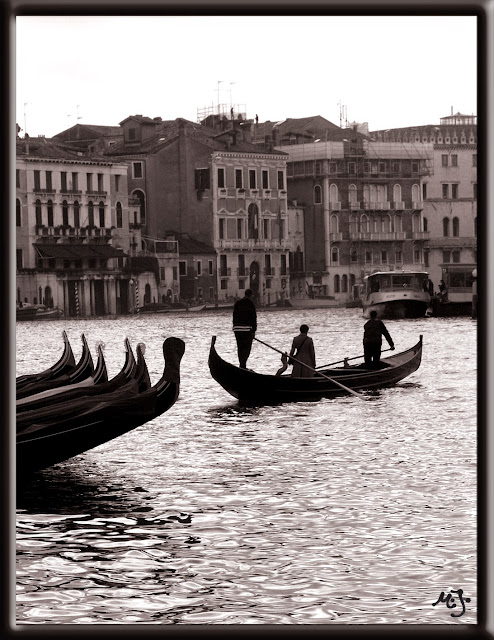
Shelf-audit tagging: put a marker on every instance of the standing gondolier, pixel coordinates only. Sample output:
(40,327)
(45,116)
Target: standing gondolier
(244,326)
(374,330)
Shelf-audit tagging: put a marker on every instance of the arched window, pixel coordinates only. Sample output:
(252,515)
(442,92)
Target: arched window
(344,283)
(142,201)
(353,255)
(333,193)
(253,221)
(335,255)
(119,215)
(49,209)
(364,223)
(352,193)
(37,210)
(425,222)
(353,223)
(102,214)
(367,196)
(386,223)
(446,227)
(397,193)
(65,213)
(90,214)
(317,194)
(398,224)
(334,224)
(77,215)
(416,223)
(337,283)
(352,281)
(456,227)
(415,193)
(18,221)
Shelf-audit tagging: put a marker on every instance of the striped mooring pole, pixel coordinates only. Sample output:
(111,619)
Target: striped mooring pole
(137,295)
(76,290)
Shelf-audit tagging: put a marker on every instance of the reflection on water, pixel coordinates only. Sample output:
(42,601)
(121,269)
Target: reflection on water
(333,512)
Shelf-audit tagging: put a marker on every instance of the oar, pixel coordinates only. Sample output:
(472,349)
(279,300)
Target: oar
(322,366)
(355,393)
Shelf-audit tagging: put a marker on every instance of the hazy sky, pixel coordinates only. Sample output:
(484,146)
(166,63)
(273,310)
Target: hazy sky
(387,71)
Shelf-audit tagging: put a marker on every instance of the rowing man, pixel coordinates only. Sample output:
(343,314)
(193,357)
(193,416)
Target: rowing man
(374,330)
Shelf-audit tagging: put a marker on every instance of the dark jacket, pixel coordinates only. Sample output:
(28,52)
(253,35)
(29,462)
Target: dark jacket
(244,315)
(374,330)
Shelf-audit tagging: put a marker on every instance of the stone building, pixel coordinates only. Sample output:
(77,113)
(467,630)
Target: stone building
(363,207)
(75,240)
(449,196)
(208,182)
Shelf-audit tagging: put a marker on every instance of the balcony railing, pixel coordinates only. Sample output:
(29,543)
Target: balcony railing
(336,237)
(377,206)
(269,271)
(96,192)
(252,245)
(225,272)
(335,206)
(242,272)
(354,206)
(417,205)
(421,235)
(368,236)
(398,206)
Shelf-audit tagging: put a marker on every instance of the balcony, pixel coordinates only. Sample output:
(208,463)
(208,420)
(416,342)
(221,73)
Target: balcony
(269,271)
(335,206)
(354,206)
(222,193)
(225,272)
(70,192)
(421,235)
(48,190)
(398,206)
(242,272)
(96,192)
(253,245)
(377,206)
(336,237)
(417,205)
(367,236)
(266,194)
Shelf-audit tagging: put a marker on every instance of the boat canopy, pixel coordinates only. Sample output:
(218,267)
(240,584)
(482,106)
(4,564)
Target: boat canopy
(395,280)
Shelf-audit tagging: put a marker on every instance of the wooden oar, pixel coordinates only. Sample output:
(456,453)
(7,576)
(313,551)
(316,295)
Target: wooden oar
(355,393)
(323,366)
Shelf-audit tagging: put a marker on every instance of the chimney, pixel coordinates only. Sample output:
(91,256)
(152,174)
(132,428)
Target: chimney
(276,137)
(26,140)
(247,130)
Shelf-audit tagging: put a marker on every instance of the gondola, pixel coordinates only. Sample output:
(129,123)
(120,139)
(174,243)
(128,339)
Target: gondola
(83,369)
(64,365)
(42,445)
(95,384)
(250,387)
(70,405)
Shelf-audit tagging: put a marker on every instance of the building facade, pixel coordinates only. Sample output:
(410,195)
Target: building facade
(75,241)
(363,209)
(209,182)
(449,196)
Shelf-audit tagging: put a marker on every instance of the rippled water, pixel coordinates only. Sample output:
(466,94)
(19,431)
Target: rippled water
(335,512)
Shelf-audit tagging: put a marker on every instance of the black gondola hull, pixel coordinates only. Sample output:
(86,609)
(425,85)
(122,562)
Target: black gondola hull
(250,387)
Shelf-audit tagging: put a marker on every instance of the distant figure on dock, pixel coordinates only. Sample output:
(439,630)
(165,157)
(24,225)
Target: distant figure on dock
(429,286)
(303,350)
(443,291)
(244,326)
(374,330)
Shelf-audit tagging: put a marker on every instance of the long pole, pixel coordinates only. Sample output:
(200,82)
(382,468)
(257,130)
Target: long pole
(322,366)
(355,393)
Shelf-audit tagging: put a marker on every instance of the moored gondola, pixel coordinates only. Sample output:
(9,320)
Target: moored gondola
(94,385)
(250,387)
(64,365)
(42,445)
(83,369)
